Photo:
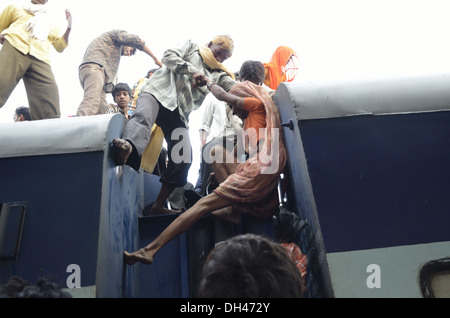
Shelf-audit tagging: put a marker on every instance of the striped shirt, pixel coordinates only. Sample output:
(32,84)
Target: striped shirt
(171,84)
(106,51)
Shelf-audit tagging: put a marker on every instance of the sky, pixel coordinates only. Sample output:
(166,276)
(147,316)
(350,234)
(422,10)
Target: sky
(334,39)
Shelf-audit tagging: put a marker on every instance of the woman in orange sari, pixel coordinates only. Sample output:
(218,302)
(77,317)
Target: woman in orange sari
(253,185)
(283,67)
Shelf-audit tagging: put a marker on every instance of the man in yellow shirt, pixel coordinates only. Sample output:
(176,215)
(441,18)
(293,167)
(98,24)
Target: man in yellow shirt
(26,36)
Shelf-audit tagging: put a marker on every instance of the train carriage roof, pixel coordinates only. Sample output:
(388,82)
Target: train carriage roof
(382,96)
(58,136)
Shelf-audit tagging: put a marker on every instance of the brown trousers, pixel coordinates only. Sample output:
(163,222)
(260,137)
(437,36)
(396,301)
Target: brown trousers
(38,78)
(92,80)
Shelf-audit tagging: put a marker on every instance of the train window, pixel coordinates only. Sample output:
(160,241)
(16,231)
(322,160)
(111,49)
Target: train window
(435,279)
(12,216)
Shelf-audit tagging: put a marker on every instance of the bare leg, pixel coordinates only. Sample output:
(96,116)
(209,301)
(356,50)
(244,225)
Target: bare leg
(221,173)
(226,167)
(181,224)
(229,214)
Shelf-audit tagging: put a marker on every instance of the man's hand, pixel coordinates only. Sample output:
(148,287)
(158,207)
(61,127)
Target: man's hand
(199,80)
(69,19)
(157,62)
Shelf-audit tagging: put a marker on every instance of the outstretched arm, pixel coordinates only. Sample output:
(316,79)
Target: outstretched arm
(147,50)
(223,95)
(69,26)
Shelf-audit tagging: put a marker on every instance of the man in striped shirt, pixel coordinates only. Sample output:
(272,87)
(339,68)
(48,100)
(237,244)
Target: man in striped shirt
(170,95)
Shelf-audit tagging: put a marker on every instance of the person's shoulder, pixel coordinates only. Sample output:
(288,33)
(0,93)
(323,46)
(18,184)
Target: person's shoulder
(187,47)
(13,7)
(114,33)
(253,104)
(111,108)
(192,45)
(253,100)
(191,41)
(188,42)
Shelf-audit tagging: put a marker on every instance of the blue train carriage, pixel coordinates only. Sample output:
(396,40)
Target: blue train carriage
(66,212)
(369,171)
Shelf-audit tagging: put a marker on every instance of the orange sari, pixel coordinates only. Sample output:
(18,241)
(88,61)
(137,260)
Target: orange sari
(254,184)
(275,68)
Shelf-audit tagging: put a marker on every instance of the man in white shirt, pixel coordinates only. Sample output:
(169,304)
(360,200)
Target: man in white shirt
(219,125)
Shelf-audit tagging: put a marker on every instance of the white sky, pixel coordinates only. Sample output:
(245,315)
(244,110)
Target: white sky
(335,39)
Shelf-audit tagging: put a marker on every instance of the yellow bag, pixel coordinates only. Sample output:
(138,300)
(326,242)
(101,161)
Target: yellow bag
(151,153)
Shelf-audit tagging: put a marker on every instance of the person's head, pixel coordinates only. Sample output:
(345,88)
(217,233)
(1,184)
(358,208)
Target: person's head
(222,47)
(252,71)
(22,114)
(283,67)
(121,94)
(128,50)
(39,1)
(17,287)
(150,73)
(249,266)
(287,61)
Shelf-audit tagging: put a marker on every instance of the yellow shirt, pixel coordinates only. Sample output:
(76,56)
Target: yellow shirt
(13,24)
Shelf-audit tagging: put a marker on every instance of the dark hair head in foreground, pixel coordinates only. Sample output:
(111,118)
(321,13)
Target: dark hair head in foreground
(17,287)
(249,266)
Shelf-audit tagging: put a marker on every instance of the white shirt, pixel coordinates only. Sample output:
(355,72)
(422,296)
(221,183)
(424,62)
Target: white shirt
(218,119)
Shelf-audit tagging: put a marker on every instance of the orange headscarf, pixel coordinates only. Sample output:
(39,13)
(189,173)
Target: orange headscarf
(274,69)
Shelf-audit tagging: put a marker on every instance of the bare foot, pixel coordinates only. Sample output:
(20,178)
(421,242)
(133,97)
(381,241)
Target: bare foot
(122,150)
(163,211)
(138,256)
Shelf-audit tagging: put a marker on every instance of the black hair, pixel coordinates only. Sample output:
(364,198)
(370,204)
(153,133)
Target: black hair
(17,287)
(121,87)
(25,111)
(249,266)
(153,70)
(253,71)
